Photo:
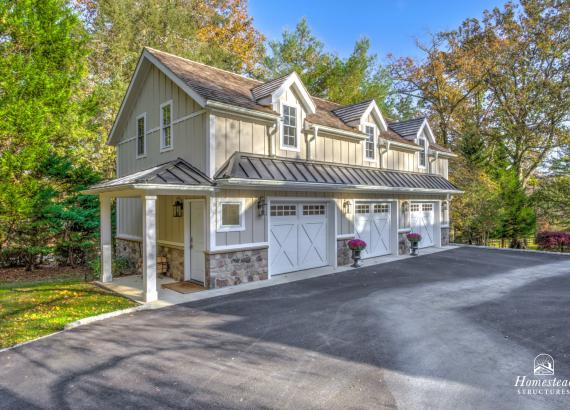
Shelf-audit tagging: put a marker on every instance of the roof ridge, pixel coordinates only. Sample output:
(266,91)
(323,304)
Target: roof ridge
(206,65)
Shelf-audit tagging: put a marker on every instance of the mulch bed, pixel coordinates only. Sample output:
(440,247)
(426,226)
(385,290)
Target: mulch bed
(42,273)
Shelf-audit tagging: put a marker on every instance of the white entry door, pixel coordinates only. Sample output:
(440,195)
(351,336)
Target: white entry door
(297,237)
(423,220)
(372,224)
(195,240)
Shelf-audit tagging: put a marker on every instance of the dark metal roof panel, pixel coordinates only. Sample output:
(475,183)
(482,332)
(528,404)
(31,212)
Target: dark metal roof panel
(408,128)
(259,167)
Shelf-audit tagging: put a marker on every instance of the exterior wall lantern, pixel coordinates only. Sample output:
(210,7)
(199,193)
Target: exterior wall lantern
(261,205)
(346,206)
(177,208)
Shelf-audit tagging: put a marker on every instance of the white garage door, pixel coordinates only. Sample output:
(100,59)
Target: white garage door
(372,224)
(297,237)
(423,220)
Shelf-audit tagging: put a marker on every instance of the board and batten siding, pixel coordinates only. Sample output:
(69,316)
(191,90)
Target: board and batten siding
(189,135)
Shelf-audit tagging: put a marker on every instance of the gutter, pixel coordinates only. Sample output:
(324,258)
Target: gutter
(228,108)
(337,131)
(248,183)
(147,187)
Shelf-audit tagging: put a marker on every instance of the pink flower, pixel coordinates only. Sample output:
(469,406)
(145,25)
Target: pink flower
(414,237)
(356,244)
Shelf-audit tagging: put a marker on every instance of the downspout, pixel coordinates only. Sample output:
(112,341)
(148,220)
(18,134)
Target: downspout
(387,143)
(311,138)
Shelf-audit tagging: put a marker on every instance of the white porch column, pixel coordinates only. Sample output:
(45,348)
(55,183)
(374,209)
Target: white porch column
(106,244)
(149,248)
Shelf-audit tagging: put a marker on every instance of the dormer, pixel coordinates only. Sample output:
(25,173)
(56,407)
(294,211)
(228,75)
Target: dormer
(418,131)
(271,92)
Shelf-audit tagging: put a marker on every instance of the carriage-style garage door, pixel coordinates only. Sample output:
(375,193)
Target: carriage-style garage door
(372,224)
(423,220)
(297,237)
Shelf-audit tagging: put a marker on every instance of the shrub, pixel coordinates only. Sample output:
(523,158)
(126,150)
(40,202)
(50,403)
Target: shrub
(553,240)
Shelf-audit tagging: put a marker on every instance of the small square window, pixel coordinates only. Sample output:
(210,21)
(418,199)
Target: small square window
(427,207)
(230,216)
(415,207)
(381,208)
(313,209)
(362,209)
(283,210)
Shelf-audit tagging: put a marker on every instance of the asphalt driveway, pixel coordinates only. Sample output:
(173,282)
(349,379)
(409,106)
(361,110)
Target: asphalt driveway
(448,330)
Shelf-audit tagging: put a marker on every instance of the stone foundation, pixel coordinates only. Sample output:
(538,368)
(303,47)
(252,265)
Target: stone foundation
(175,258)
(233,268)
(342,252)
(131,250)
(444,236)
(403,244)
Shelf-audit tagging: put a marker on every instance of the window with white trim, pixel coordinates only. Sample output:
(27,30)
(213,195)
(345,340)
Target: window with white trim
(283,210)
(423,153)
(289,126)
(427,207)
(313,209)
(381,208)
(362,209)
(415,207)
(369,149)
(166,126)
(230,216)
(141,135)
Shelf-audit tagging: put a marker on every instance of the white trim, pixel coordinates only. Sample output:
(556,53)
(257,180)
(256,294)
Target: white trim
(373,108)
(405,146)
(423,151)
(187,240)
(337,131)
(127,140)
(127,237)
(211,145)
(138,156)
(374,142)
(163,147)
(345,236)
(239,247)
(169,243)
(425,123)
(187,117)
(230,228)
(239,110)
(294,81)
(297,147)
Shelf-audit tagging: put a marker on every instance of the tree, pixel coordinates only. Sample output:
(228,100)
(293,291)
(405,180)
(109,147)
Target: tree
(345,81)
(41,106)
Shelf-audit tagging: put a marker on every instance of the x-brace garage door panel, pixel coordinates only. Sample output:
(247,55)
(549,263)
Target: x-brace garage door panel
(372,223)
(297,237)
(423,220)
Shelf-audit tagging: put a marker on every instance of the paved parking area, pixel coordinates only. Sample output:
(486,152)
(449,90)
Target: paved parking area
(447,330)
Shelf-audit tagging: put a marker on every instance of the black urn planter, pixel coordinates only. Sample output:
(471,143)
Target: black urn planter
(414,249)
(356,258)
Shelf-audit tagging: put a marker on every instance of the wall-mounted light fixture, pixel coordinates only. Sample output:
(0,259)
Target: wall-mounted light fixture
(346,206)
(405,207)
(261,206)
(177,208)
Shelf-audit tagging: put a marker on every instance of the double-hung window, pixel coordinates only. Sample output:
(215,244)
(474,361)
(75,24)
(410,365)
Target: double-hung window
(166,126)
(141,135)
(423,152)
(289,127)
(369,149)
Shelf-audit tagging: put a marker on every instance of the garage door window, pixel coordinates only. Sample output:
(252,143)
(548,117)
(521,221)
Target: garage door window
(415,207)
(427,207)
(381,208)
(283,210)
(362,209)
(313,209)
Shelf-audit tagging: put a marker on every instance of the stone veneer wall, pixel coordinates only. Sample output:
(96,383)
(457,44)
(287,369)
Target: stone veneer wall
(131,250)
(233,268)
(175,258)
(403,244)
(342,252)
(445,236)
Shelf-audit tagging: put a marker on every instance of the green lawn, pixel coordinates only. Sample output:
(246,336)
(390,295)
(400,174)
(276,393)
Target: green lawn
(31,310)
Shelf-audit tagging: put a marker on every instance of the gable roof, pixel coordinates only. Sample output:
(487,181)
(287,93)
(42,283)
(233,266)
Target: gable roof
(407,129)
(253,167)
(354,112)
(265,89)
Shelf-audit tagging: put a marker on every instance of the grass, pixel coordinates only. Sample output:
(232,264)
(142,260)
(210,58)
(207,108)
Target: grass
(31,310)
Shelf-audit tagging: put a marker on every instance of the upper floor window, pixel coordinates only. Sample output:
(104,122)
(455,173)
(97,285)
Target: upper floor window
(141,135)
(289,127)
(369,150)
(166,126)
(423,153)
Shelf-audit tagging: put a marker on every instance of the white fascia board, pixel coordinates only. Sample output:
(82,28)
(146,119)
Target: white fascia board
(248,183)
(375,111)
(336,131)
(400,144)
(119,189)
(294,81)
(442,154)
(425,124)
(233,109)
(146,55)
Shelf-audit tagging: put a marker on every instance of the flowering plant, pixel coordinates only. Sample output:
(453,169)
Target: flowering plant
(414,237)
(356,244)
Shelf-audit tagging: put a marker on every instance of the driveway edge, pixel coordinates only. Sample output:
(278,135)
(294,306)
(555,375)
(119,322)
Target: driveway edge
(511,249)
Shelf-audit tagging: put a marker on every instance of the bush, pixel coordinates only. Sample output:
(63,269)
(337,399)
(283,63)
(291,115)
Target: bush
(553,240)
(121,265)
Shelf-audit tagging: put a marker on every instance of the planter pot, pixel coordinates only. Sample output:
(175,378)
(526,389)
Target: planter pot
(414,249)
(356,258)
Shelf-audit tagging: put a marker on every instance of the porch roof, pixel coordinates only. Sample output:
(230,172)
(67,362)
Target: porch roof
(174,174)
(262,169)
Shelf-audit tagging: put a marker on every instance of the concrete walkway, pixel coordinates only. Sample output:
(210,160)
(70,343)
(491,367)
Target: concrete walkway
(131,286)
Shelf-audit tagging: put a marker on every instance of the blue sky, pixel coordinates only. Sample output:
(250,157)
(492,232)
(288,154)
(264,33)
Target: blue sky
(391,26)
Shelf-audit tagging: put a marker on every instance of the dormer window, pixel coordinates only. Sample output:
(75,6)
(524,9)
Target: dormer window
(166,126)
(289,131)
(369,149)
(423,153)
